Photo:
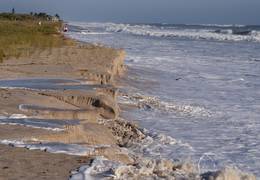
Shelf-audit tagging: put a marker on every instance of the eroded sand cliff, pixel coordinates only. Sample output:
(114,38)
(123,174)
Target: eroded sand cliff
(22,94)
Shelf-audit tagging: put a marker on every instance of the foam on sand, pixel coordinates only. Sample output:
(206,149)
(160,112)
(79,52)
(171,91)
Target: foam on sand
(100,168)
(23,120)
(70,149)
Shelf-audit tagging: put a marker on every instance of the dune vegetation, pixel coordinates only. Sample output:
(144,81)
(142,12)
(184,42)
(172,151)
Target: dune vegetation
(22,34)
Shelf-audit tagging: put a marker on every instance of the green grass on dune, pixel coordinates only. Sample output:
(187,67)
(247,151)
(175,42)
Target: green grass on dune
(19,38)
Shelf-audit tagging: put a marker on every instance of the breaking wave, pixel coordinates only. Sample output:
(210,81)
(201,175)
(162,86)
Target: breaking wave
(198,32)
(147,102)
(148,154)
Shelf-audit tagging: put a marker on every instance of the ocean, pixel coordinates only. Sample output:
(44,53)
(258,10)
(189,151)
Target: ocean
(197,88)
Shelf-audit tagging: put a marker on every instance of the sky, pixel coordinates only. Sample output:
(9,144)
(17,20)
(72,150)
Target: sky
(145,11)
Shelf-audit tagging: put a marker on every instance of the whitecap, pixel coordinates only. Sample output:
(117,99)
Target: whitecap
(209,34)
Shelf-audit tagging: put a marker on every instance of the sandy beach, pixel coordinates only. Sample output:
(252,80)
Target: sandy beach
(59,112)
(21,163)
(97,66)
(138,90)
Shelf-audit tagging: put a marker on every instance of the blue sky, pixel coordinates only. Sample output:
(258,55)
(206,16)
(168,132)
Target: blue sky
(164,11)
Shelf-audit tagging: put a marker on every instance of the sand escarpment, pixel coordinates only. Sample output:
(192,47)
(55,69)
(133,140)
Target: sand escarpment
(103,103)
(54,99)
(93,64)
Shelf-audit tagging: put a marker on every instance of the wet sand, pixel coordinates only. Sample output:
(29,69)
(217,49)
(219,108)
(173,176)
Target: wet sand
(95,67)
(21,163)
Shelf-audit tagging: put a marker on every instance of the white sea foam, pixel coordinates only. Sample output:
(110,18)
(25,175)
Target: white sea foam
(70,149)
(207,162)
(23,120)
(100,168)
(31,126)
(21,88)
(148,102)
(219,25)
(212,32)
(18,116)
(209,34)
(159,145)
(146,168)
(93,33)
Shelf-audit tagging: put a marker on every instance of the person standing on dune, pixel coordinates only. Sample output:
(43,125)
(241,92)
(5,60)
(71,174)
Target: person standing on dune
(65,29)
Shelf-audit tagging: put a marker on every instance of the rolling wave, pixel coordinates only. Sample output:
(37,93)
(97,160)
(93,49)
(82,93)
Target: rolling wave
(210,33)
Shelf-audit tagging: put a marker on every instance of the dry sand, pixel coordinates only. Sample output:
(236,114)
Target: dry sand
(88,62)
